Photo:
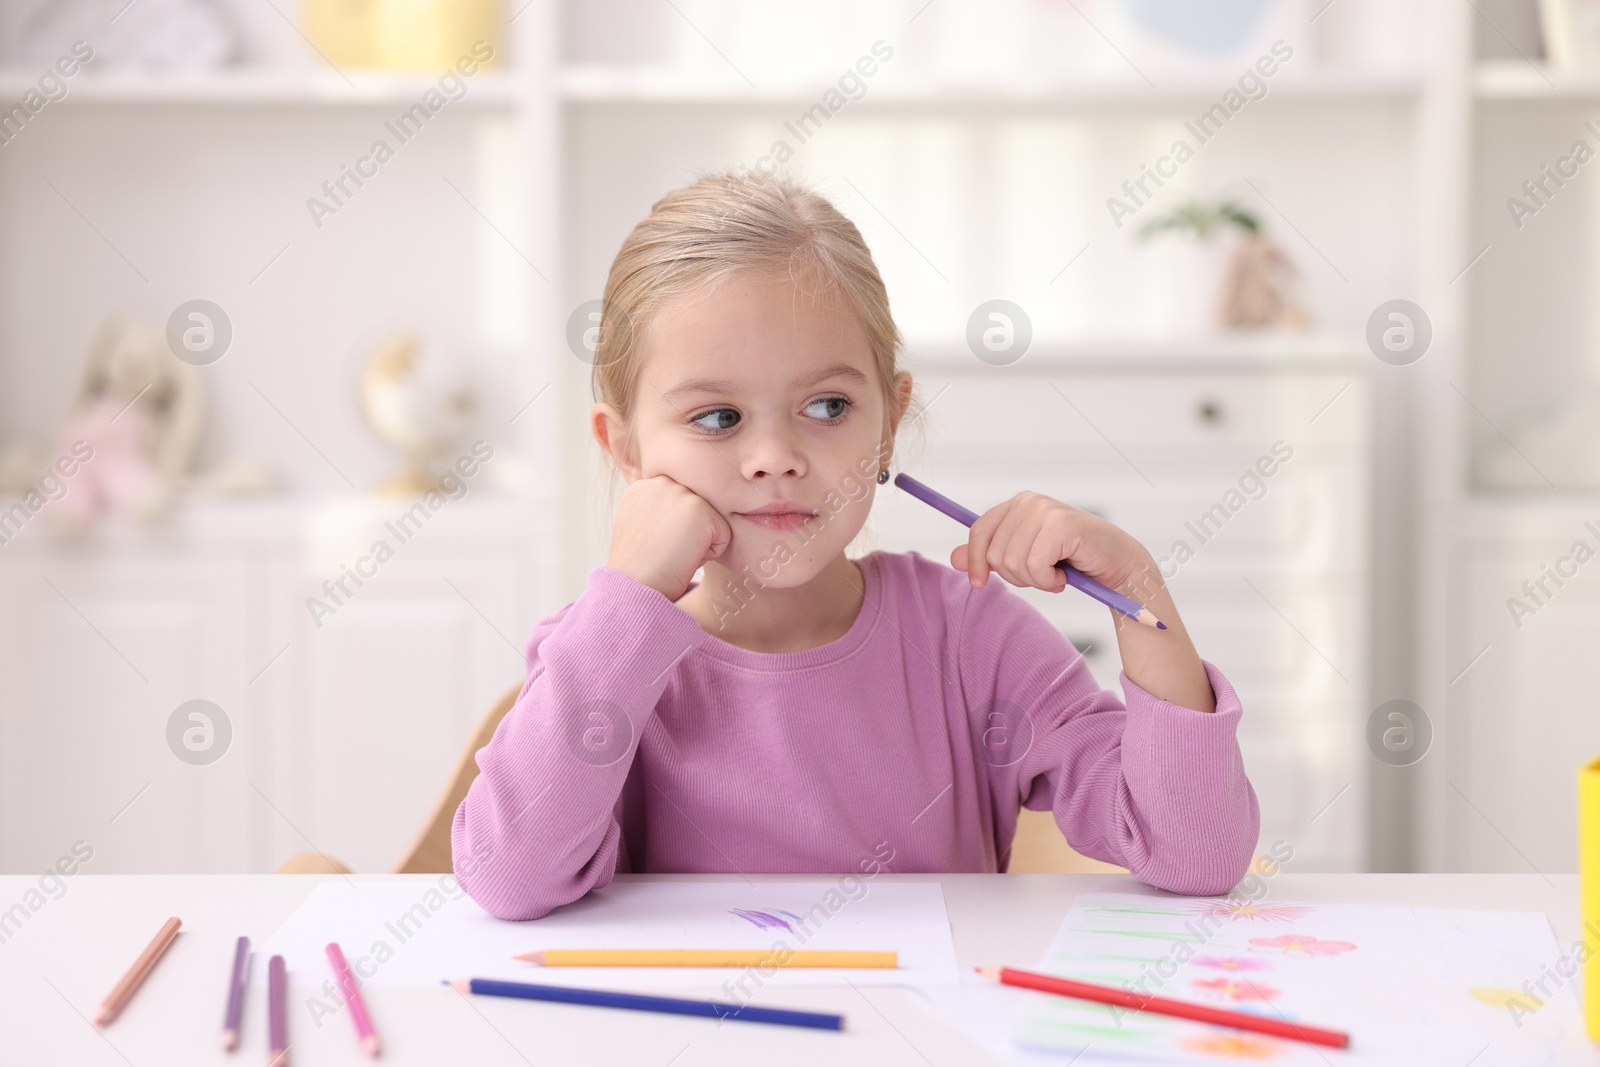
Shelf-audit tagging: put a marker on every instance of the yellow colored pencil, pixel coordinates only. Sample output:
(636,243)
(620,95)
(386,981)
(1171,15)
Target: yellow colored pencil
(1589,889)
(706,957)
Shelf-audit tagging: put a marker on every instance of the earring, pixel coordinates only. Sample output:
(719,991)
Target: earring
(883,476)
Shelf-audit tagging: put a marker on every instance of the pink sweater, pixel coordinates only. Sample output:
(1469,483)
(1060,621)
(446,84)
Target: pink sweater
(640,742)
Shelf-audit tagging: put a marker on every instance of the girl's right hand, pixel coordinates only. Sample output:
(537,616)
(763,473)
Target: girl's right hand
(663,532)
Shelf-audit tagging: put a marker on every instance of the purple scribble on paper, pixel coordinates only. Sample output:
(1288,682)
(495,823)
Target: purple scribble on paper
(775,919)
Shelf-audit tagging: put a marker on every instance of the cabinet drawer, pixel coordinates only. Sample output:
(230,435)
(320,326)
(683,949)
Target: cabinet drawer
(1109,419)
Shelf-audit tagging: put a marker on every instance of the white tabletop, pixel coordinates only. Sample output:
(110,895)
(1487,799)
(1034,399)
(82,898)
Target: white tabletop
(58,966)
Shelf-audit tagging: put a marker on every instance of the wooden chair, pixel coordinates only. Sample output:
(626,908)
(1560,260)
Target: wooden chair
(1038,847)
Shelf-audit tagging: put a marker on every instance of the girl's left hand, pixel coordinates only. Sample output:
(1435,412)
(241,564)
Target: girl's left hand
(1022,539)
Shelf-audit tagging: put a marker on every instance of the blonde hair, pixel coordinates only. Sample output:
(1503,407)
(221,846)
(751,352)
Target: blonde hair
(725,223)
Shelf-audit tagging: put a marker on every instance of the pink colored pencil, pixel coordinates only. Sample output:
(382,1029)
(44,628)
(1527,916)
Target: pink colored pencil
(352,998)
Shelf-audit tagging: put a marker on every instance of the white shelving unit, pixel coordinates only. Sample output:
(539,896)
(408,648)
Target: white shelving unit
(1515,338)
(233,85)
(607,83)
(1517,79)
(140,191)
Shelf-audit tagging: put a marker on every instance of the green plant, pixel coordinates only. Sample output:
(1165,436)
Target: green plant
(1202,220)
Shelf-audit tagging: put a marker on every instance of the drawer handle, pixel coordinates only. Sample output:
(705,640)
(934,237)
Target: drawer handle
(1209,411)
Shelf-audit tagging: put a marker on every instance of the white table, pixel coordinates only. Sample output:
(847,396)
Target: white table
(58,966)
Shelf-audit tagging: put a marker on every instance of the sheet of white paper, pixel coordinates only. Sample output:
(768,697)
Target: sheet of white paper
(1409,985)
(406,933)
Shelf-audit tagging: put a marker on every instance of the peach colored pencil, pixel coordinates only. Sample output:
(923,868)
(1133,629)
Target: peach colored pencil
(123,991)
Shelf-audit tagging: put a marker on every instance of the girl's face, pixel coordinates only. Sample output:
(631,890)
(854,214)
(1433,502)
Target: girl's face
(758,394)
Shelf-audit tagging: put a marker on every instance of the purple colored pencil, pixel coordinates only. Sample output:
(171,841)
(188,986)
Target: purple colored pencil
(277,1013)
(1075,578)
(230,1018)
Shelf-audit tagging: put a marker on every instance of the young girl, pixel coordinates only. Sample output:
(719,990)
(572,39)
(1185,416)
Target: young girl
(800,711)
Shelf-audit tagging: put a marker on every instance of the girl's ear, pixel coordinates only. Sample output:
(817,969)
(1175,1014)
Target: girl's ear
(902,399)
(611,431)
(902,389)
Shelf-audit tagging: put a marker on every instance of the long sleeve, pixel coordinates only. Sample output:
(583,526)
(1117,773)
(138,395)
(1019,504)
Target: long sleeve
(538,826)
(1149,785)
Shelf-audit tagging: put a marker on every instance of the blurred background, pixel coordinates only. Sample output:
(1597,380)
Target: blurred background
(296,312)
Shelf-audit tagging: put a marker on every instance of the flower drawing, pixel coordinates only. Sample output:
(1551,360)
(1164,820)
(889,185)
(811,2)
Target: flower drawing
(1301,945)
(1239,1046)
(1244,909)
(1231,963)
(1234,989)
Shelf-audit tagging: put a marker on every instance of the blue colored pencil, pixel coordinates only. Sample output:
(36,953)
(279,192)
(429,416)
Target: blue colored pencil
(603,998)
(1075,578)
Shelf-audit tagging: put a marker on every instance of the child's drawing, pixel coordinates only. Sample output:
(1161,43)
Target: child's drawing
(775,919)
(1299,945)
(1410,985)
(1238,1046)
(1244,909)
(1507,999)
(1234,989)
(1231,963)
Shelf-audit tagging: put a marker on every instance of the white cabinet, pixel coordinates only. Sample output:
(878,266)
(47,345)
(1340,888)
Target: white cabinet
(1275,591)
(341,734)
(1521,714)
(96,651)
(197,187)
(376,702)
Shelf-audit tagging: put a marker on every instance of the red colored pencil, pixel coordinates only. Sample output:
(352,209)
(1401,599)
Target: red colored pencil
(1180,1009)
